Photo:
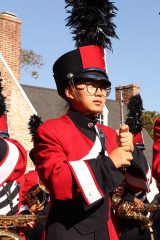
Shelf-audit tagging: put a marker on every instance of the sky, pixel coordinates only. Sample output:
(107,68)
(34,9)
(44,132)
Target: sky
(136,54)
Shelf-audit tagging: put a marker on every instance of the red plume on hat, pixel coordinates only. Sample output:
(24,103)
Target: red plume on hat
(3,115)
(92,26)
(134,120)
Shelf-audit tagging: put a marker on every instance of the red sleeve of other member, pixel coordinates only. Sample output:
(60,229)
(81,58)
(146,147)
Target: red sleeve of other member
(13,160)
(156,151)
(30,183)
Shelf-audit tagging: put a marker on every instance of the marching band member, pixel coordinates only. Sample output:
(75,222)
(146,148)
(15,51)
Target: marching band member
(137,178)
(13,160)
(156,151)
(78,159)
(35,201)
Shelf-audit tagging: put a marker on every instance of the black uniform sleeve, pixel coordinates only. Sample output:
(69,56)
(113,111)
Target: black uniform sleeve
(140,161)
(96,177)
(107,175)
(3,149)
(136,175)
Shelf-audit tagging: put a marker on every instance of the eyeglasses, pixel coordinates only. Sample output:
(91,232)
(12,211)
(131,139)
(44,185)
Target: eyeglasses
(93,87)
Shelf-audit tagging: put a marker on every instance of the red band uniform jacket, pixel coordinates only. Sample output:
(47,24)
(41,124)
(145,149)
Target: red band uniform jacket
(32,192)
(13,160)
(30,183)
(72,161)
(156,151)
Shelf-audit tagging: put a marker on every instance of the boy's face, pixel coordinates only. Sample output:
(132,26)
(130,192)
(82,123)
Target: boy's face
(88,97)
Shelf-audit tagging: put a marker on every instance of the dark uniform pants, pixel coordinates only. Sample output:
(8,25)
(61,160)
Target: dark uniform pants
(58,232)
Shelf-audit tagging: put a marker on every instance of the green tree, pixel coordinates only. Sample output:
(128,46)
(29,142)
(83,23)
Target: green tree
(30,59)
(138,118)
(148,119)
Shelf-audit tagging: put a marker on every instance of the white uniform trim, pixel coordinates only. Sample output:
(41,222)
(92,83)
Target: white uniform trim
(83,174)
(153,190)
(4,197)
(86,182)
(95,150)
(7,208)
(10,162)
(23,208)
(149,177)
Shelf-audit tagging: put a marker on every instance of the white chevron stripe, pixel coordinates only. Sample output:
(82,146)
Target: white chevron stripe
(82,173)
(6,209)
(10,162)
(86,181)
(89,188)
(3,198)
(95,150)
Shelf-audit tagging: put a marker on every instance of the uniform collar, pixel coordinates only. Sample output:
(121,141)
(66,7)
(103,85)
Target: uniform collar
(81,120)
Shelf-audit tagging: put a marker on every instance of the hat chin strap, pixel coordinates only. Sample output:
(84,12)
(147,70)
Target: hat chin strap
(71,83)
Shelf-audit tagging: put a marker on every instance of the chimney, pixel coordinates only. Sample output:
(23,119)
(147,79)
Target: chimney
(10,41)
(127,92)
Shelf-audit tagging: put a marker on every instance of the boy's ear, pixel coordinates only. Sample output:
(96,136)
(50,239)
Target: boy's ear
(69,93)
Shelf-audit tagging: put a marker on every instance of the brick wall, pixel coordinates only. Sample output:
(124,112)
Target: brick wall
(10,41)
(127,92)
(18,105)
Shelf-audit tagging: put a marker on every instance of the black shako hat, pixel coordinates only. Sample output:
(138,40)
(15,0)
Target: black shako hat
(86,62)
(92,26)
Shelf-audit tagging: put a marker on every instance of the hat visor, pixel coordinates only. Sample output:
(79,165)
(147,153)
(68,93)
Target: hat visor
(92,76)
